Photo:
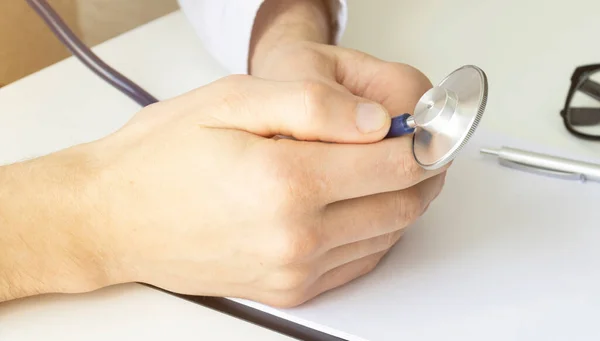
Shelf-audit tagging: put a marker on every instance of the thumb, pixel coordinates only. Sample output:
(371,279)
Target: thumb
(308,110)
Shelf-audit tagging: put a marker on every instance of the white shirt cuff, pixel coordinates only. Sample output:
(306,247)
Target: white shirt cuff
(225,27)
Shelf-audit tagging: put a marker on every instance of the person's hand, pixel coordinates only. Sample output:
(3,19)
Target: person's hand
(198,198)
(290,42)
(396,86)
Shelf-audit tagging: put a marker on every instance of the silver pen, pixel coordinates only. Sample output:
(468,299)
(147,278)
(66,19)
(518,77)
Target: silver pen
(546,164)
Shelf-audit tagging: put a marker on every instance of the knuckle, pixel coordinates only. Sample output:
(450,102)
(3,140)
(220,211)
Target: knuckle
(288,299)
(232,91)
(417,80)
(413,84)
(411,169)
(289,280)
(389,241)
(436,193)
(315,96)
(405,167)
(408,205)
(371,264)
(294,244)
(315,90)
(426,209)
(392,239)
(440,185)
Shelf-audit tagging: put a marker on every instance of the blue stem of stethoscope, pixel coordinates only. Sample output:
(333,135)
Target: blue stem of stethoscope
(401,125)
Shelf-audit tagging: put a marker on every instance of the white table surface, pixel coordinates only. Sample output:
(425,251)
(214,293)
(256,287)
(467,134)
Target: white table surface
(528,48)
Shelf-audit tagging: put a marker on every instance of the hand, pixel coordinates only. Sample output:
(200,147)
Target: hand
(201,200)
(396,86)
(291,42)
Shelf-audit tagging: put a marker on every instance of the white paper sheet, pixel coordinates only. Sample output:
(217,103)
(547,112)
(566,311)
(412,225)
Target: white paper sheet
(501,255)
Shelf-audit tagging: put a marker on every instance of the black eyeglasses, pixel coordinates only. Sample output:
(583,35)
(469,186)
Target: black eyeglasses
(581,113)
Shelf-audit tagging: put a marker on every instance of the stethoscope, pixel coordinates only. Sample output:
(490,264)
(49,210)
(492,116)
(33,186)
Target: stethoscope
(443,121)
(445,117)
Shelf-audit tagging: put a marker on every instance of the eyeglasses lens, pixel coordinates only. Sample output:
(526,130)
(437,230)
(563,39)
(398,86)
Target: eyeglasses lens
(583,113)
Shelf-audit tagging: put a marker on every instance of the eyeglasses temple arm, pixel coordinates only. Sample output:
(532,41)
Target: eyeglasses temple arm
(591,88)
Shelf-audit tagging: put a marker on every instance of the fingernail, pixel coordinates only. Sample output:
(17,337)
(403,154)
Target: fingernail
(370,117)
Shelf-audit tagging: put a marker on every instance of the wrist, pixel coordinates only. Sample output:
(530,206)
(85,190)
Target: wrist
(283,22)
(52,227)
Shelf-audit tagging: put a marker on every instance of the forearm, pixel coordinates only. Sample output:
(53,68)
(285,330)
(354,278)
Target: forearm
(287,21)
(49,240)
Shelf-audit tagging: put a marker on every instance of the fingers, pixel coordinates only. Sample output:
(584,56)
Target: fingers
(350,252)
(345,273)
(351,171)
(306,110)
(363,219)
(308,287)
(397,86)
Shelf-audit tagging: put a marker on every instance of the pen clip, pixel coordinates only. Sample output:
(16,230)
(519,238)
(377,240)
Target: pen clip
(542,171)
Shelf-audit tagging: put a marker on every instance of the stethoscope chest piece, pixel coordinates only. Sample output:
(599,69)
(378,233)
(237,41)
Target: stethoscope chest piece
(445,117)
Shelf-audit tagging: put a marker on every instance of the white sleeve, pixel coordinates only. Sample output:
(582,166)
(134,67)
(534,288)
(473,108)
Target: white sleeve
(225,27)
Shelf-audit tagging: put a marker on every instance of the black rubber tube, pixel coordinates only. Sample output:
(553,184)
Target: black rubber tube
(87,57)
